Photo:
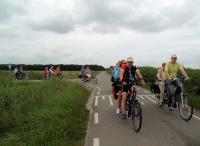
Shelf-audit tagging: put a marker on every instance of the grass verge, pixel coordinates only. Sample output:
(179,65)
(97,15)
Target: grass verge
(47,113)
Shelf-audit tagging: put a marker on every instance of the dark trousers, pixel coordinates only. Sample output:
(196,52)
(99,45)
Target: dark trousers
(169,85)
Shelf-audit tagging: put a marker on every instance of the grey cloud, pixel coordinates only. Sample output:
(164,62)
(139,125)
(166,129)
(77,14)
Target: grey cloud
(11,8)
(59,24)
(137,15)
(109,16)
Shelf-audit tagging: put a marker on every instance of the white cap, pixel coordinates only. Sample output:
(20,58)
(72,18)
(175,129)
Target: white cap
(174,56)
(129,59)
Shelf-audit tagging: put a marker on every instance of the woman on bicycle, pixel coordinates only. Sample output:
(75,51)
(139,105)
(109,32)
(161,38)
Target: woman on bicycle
(161,76)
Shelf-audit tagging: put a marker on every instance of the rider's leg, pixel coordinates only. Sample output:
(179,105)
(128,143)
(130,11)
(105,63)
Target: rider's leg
(178,87)
(169,92)
(123,105)
(162,91)
(119,94)
(119,99)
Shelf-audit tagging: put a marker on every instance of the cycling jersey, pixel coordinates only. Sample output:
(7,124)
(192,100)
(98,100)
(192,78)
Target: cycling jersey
(117,73)
(129,74)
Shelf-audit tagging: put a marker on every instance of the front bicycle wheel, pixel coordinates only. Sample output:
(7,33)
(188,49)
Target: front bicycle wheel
(185,107)
(136,116)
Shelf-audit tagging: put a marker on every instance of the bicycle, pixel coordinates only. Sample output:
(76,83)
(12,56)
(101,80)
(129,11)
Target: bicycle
(134,108)
(184,101)
(20,76)
(94,79)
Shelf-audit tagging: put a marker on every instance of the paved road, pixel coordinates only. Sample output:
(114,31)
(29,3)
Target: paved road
(160,127)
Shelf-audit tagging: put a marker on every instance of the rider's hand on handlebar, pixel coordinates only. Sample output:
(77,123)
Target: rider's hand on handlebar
(142,82)
(187,78)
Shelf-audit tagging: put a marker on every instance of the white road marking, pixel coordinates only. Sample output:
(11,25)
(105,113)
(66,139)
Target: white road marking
(140,96)
(196,117)
(96,101)
(103,97)
(98,93)
(96,118)
(96,142)
(142,102)
(111,102)
(146,91)
(149,98)
(153,96)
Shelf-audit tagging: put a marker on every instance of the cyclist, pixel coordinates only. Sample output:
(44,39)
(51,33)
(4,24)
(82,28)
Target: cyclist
(16,72)
(161,76)
(46,73)
(172,68)
(58,72)
(131,73)
(117,86)
(88,73)
(51,72)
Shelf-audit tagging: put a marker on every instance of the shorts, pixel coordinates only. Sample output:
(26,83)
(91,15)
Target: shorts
(127,87)
(117,88)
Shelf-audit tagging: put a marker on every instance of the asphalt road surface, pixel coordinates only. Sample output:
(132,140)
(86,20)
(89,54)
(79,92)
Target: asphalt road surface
(160,127)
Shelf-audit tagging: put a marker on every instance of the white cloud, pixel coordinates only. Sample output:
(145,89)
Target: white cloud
(99,31)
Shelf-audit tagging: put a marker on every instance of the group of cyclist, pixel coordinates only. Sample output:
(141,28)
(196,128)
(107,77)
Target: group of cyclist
(85,74)
(167,77)
(51,72)
(19,73)
(125,73)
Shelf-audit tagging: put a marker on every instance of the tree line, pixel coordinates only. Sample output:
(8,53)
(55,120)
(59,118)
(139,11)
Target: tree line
(64,67)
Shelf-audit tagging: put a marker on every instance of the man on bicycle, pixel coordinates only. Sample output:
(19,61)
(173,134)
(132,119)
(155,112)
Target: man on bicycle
(131,74)
(172,68)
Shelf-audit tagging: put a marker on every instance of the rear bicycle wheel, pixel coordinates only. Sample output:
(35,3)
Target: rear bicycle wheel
(185,107)
(136,116)
(94,80)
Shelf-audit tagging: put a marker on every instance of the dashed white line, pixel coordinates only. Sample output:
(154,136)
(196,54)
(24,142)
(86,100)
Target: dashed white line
(140,96)
(142,102)
(96,101)
(96,142)
(103,97)
(196,117)
(111,102)
(145,91)
(98,93)
(149,98)
(96,118)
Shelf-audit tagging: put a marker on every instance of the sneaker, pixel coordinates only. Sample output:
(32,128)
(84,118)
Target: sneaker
(117,110)
(124,116)
(170,109)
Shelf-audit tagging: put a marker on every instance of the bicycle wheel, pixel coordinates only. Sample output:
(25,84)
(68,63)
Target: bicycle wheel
(136,116)
(185,107)
(94,80)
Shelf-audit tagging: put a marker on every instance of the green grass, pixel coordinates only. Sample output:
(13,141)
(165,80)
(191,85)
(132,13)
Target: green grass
(71,74)
(38,75)
(48,113)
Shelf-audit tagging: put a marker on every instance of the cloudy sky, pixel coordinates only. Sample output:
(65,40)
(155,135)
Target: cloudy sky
(99,31)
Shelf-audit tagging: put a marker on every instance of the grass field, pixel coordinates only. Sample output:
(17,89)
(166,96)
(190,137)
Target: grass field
(38,75)
(50,113)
